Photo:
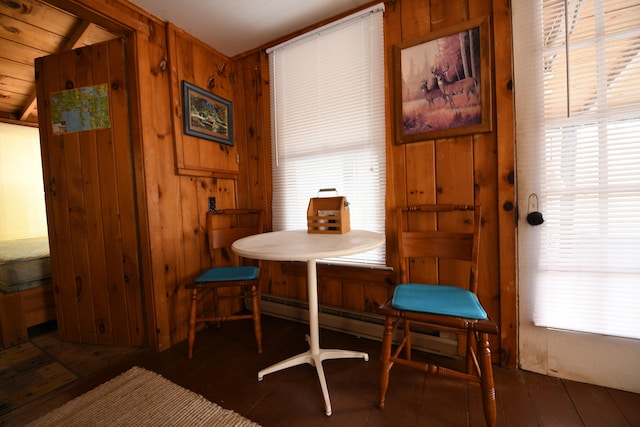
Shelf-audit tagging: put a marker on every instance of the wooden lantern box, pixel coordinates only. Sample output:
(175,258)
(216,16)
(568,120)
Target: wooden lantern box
(328,215)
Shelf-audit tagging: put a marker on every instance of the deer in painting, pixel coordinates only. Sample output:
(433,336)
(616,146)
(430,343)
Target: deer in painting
(449,89)
(432,94)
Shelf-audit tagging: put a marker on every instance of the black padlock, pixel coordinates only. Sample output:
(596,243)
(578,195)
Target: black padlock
(534,217)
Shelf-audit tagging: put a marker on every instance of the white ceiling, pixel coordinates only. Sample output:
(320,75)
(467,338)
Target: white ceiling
(234,27)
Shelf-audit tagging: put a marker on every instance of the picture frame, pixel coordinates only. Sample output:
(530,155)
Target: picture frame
(205,115)
(443,83)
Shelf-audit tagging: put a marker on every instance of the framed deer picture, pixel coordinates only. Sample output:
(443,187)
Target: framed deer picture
(443,83)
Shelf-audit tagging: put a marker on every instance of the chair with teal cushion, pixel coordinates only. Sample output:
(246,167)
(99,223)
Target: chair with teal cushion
(440,242)
(228,278)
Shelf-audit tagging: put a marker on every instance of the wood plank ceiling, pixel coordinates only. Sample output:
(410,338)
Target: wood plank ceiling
(30,29)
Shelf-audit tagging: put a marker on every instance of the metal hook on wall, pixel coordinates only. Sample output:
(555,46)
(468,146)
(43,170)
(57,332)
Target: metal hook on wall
(211,82)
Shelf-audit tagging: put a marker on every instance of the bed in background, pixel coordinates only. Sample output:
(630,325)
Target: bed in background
(26,294)
(24,264)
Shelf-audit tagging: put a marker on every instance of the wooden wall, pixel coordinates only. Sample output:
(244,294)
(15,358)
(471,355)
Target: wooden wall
(475,168)
(176,174)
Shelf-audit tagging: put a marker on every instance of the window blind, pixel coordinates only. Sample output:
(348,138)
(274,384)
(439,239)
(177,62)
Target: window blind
(328,123)
(577,88)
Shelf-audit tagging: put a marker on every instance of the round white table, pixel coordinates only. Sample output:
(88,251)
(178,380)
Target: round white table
(299,245)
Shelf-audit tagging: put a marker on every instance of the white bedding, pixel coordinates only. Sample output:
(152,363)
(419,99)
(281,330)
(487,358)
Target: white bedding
(24,264)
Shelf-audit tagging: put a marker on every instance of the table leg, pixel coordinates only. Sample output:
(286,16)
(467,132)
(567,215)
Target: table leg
(315,355)
(312,295)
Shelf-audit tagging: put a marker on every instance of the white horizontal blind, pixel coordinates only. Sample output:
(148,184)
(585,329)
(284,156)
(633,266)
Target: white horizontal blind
(328,123)
(577,74)
(22,205)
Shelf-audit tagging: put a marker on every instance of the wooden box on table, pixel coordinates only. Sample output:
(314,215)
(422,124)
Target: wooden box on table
(328,215)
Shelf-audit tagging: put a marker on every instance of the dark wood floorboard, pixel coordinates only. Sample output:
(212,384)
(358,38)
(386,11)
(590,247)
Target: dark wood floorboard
(225,365)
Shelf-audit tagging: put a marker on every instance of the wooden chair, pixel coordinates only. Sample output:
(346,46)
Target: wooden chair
(449,307)
(243,282)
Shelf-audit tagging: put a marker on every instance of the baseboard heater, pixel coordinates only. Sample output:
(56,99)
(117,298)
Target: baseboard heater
(365,325)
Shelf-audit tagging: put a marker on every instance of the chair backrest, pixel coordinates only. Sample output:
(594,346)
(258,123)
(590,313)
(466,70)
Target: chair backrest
(440,232)
(226,226)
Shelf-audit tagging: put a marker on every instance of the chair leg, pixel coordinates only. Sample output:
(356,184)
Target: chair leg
(216,306)
(471,340)
(486,380)
(192,322)
(257,326)
(385,359)
(407,334)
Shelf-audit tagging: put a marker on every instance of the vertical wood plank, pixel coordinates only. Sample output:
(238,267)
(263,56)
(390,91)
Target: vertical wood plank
(263,139)
(445,13)
(479,8)
(278,284)
(93,191)
(396,180)
(261,191)
(415,18)
(57,217)
(38,305)
(454,170)
(244,112)
(81,286)
(158,200)
(485,176)
(421,173)
(377,293)
(193,257)
(454,184)
(330,292)
(183,70)
(175,96)
(506,215)
(353,295)
(128,276)
(252,183)
(296,280)
(13,328)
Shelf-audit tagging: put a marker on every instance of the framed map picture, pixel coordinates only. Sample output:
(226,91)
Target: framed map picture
(76,110)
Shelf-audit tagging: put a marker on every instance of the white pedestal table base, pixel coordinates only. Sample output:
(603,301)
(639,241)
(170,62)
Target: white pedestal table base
(315,360)
(315,355)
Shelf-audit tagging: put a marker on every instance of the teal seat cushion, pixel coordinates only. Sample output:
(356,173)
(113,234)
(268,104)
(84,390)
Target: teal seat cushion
(223,274)
(445,300)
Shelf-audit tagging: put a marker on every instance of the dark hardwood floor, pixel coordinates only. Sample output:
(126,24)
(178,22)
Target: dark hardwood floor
(225,364)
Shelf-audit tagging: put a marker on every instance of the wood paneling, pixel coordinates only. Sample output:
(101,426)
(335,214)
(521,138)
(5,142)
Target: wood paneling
(252,92)
(208,169)
(505,176)
(175,174)
(157,195)
(193,61)
(464,169)
(90,203)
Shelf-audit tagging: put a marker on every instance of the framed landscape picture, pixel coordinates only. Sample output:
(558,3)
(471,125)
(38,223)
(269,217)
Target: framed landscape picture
(206,115)
(443,83)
